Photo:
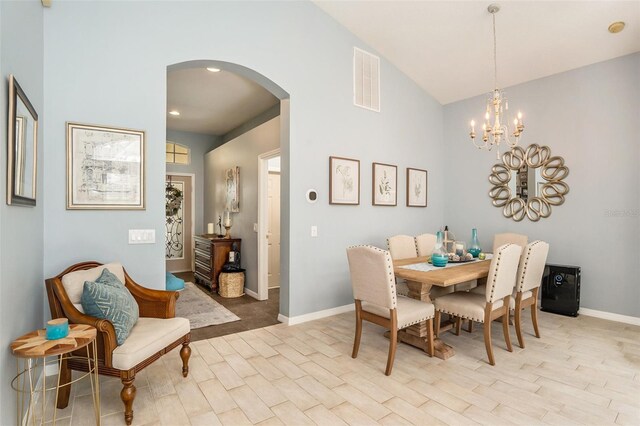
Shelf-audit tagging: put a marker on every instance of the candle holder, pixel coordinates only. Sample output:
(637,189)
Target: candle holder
(227,223)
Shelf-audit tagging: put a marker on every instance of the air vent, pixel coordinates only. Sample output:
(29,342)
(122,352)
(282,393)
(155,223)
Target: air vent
(366,80)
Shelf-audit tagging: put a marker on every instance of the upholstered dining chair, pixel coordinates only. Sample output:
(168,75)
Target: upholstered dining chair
(156,332)
(375,297)
(493,304)
(509,238)
(529,278)
(425,244)
(500,240)
(402,247)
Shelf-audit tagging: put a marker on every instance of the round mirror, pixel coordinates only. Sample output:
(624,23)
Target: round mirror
(528,182)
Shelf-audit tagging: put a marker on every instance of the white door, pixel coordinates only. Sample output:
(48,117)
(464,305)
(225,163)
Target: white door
(273,230)
(178,226)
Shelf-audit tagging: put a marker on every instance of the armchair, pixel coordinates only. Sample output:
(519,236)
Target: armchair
(156,332)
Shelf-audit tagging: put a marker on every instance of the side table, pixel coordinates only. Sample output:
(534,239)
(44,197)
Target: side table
(31,352)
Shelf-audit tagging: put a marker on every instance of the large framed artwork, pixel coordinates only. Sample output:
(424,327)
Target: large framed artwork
(232,181)
(385,185)
(22,148)
(344,181)
(416,187)
(105,168)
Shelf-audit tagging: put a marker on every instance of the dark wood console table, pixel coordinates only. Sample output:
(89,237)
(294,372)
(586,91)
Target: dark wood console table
(210,254)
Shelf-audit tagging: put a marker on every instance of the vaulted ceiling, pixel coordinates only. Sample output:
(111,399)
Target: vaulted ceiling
(447,46)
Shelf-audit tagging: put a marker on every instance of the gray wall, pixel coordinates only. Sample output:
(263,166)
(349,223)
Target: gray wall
(21,280)
(591,117)
(243,152)
(86,82)
(199,144)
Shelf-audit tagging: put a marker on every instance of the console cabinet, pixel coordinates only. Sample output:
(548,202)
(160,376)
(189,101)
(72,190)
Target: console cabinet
(210,254)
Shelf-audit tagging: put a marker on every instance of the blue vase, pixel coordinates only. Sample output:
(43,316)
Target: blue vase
(474,247)
(439,257)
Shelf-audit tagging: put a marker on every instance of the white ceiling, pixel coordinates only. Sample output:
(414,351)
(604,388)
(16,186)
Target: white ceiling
(213,103)
(446,46)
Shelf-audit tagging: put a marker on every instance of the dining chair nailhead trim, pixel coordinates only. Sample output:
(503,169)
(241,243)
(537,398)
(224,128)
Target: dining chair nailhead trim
(526,263)
(415,322)
(444,311)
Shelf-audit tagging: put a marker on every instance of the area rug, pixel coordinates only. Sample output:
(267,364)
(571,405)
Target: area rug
(200,309)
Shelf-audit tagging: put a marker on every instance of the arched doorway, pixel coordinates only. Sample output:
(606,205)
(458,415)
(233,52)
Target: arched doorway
(284,136)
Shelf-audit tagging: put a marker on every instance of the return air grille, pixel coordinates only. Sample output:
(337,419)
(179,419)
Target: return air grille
(366,80)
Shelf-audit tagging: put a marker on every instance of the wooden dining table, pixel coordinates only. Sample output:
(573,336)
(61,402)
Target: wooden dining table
(420,284)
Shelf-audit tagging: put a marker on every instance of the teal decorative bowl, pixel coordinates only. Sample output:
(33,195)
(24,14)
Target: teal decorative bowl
(439,260)
(57,329)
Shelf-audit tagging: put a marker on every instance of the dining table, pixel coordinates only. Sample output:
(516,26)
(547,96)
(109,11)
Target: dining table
(420,277)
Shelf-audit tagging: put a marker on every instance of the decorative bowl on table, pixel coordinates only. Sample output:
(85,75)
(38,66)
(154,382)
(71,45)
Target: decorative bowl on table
(454,258)
(439,260)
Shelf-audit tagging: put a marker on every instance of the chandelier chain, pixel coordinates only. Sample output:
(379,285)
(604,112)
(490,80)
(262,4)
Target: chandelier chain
(495,54)
(495,126)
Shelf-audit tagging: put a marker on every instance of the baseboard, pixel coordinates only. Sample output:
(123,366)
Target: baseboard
(315,315)
(609,316)
(251,293)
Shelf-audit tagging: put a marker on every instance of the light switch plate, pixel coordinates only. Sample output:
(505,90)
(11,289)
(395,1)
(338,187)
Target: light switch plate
(255,227)
(142,236)
(314,231)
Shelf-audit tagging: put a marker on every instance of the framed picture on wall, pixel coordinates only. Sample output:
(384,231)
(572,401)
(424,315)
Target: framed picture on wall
(416,187)
(385,185)
(344,181)
(105,168)
(232,182)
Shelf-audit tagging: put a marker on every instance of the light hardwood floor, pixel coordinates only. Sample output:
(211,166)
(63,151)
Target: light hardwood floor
(582,371)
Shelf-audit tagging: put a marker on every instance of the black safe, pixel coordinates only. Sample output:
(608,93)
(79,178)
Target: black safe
(561,290)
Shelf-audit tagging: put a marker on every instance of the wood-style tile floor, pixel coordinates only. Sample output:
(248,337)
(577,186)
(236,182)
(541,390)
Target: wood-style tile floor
(582,371)
(253,313)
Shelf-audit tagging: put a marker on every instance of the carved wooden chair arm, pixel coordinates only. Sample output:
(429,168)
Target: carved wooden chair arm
(153,303)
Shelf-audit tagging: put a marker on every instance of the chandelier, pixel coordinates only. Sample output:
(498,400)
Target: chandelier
(497,110)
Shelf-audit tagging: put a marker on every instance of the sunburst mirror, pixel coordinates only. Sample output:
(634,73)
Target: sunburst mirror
(528,182)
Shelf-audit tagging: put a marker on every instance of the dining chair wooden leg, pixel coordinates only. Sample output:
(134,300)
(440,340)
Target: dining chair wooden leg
(518,325)
(430,344)
(487,333)
(356,341)
(436,326)
(534,312)
(458,325)
(393,341)
(505,324)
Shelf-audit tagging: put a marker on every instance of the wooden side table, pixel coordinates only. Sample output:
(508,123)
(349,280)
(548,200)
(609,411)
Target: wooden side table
(31,352)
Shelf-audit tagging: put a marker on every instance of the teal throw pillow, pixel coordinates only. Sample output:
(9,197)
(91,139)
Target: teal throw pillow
(109,278)
(109,299)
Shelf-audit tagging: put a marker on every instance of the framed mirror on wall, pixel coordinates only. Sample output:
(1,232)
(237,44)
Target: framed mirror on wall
(22,147)
(528,183)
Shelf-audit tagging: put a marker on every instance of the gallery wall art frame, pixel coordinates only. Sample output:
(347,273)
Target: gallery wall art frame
(232,185)
(384,184)
(22,147)
(417,185)
(344,181)
(105,168)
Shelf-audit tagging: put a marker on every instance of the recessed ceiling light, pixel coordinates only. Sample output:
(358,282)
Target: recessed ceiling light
(616,27)
(174,112)
(213,69)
